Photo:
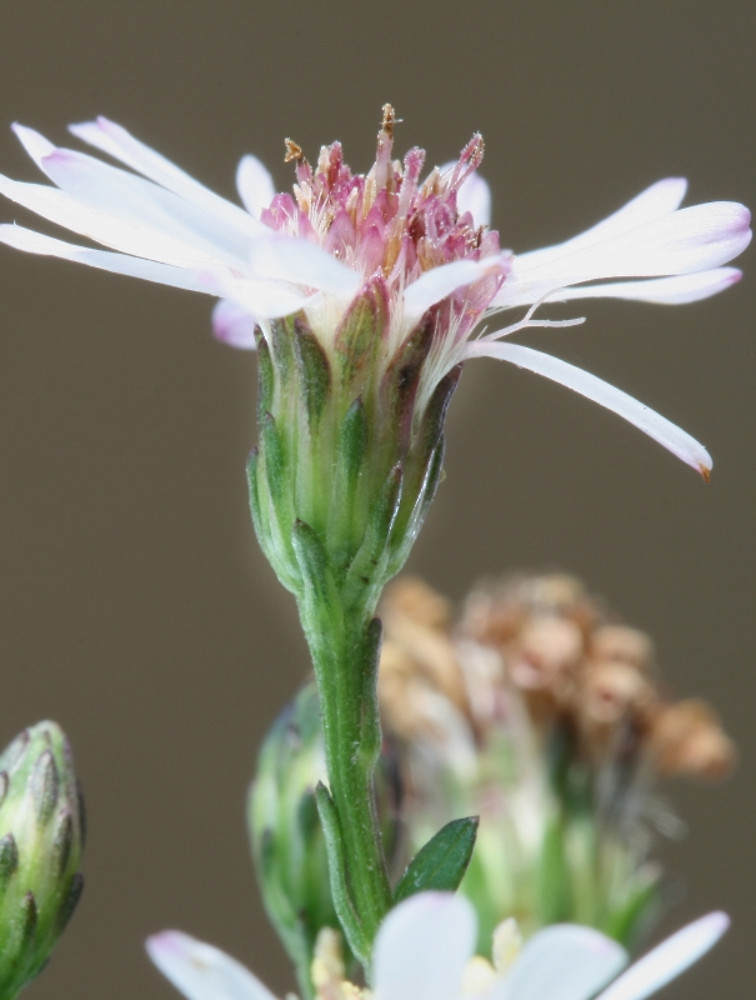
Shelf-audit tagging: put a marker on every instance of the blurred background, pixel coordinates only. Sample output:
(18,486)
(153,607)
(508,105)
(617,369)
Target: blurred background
(137,609)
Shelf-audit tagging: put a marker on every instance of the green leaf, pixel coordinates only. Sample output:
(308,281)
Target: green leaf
(628,922)
(441,863)
(337,873)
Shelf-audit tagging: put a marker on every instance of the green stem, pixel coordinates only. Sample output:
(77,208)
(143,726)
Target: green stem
(344,647)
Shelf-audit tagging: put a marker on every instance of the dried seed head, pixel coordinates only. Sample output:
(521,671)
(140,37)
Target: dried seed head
(541,712)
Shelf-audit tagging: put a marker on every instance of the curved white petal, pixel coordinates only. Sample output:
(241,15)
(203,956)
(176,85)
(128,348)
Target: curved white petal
(287,258)
(675,291)
(655,202)
(134,267)
(137,201)
(668,960)
(33,142)
(108,229)
(422,948)
(259,298)
(562,962)
(691,239)
(669,435)
(254,184)
(434,285)
(114,140)
(694,239)
(234,325)
(202,972)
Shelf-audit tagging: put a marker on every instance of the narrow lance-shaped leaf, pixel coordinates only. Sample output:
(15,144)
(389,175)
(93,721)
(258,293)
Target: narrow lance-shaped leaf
(350,921)
(441,863)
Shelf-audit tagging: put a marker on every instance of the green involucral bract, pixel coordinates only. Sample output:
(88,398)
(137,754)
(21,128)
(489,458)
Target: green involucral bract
(345,448)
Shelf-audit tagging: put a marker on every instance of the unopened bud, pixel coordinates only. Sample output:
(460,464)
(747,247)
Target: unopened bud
(41,839)
(285,834)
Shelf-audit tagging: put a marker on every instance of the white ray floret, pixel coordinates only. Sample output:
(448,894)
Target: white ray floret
(669,435)
(202,972)
(424,951)
(160,224)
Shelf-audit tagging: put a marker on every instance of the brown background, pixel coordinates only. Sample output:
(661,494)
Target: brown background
(137,609)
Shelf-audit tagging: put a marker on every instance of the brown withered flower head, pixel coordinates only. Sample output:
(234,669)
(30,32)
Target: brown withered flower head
(536,708)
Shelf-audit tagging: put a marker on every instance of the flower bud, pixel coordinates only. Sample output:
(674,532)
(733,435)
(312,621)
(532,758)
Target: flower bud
(41,840)
(287,842)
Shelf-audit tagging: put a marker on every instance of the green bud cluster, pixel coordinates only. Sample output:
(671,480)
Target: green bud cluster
(41,840)
(348,459)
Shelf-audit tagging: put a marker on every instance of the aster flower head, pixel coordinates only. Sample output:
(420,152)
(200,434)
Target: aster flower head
(424,951)
(414,250)
(408,239)
(358,380)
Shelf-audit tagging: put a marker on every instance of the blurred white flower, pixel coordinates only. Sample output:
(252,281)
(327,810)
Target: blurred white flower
(424,246)
(424,951)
